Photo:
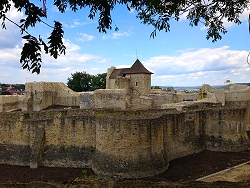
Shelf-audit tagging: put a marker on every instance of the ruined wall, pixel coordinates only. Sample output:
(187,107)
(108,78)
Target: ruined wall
(184,134)
(111,98)
(237,95)
(121,143)
(159,99)
(227,130)
(220,96)
(129,147)
(69,138)
(179,97)
(236,87)
(40,95)
(65,96)
(110,82)
(87,100)
(121,83)
(15,139)
(10,102)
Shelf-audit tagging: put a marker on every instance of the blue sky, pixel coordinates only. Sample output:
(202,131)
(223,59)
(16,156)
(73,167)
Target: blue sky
(181,57)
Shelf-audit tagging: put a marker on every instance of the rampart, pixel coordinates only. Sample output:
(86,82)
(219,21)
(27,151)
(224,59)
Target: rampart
(10,102)
(40,95)
(121,143)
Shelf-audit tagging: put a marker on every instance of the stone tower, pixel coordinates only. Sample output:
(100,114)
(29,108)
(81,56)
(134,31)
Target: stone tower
(136,79)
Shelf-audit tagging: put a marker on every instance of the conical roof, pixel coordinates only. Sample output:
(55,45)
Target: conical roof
(136,68)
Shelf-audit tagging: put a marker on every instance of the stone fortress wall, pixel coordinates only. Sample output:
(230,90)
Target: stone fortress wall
(40,95)
(116,137)
(126,130)
(10,102)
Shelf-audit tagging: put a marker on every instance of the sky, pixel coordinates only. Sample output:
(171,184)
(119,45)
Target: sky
(181,57)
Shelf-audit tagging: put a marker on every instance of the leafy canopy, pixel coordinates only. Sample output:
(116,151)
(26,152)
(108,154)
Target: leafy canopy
(158,13)
(82,81)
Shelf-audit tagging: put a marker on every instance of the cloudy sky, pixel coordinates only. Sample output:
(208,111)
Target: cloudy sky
(182,57)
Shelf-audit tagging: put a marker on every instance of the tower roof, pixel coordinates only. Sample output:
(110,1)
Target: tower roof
(136,68)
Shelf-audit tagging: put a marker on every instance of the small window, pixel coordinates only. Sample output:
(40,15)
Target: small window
(136,84)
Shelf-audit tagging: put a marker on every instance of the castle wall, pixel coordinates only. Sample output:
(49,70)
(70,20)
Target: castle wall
(110,82)
(65,96)
(159,99)
(179,97)
(69,138)
(87,100)
(184,133)
(237,95)
(10,102)
(121,143)
(220,96)
(227,130)
(129,147)
(111,98)
(41,95)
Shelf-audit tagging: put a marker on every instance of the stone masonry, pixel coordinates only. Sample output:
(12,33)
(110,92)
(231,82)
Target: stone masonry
(124,131)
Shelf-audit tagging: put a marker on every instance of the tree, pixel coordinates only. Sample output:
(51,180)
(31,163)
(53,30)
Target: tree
(82,81)
(170,88)
(157,13)
(6,93)
(99,81)
(3,87)
(156,87)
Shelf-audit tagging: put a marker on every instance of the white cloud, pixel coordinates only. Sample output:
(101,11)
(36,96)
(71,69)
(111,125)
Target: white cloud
(185,68)
(56,70)
(11,36)
(76,23)
(85,37)
(116,35)
(200,66)
(75,61)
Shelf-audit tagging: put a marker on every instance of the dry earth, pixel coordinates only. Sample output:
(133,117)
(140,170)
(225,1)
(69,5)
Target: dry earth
(181,173)
(235,174)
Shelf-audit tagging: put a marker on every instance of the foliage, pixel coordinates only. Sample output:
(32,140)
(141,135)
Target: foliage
(84,172)
(82,81)
(157,13)
(6,93)
(18,87)
(156,87)
(99,81)
(170,88)
(3,86)
(32,48)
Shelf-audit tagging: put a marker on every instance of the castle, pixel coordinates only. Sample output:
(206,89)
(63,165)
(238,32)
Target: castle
(126,130)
